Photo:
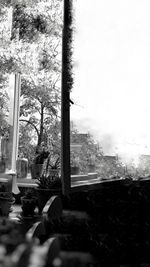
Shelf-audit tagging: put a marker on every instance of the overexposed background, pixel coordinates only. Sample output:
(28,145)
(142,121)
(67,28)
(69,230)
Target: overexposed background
(112,73)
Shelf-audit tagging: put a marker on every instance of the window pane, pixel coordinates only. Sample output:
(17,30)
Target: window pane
(40,101)
(110,115)
(30,36)
(8,122)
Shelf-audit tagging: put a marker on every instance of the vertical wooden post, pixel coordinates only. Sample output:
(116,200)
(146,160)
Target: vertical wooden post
(16,108)
(65,96)
(16,120)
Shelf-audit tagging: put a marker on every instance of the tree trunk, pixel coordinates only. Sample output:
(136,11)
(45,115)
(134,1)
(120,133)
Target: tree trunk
(40,137)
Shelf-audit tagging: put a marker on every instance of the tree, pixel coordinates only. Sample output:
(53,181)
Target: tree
(90,152)
(40,106)
(30,20)
(34,50)
(26,144)
(4,104)
(25,39)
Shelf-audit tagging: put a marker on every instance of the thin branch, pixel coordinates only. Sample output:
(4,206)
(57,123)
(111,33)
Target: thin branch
(29,122)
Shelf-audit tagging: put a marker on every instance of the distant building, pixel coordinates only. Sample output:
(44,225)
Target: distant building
(144,164)
(110,158)
(74,147)
(79,138)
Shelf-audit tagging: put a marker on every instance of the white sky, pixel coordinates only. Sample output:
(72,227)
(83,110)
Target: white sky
(112,73)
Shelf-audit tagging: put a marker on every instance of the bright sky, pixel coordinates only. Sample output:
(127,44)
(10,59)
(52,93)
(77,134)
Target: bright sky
(112,73)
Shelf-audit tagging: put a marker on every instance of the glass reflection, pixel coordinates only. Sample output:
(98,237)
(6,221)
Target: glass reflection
(111,89)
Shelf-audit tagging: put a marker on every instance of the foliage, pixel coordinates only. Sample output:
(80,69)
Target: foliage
(50,175)
(29,194)
(48,183)
(4,98)
(6,186)
(5,3)
(33,48)
(54,137)
(75,159)
(89,151)
(52,163)
(30,150)
(4,127)
(44,18)
(40,105)
(41,156)
(3,188)
(26,146)
(110,168)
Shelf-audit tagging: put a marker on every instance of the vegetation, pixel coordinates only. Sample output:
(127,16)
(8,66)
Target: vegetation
(49,182)
(30,36)
(89,151)
(50,177)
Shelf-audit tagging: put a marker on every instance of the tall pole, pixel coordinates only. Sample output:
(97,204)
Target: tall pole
(65,96)
(15,136)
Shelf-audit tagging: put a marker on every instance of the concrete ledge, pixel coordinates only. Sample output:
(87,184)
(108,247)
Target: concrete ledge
(92,175)
(24,182)
(83,177)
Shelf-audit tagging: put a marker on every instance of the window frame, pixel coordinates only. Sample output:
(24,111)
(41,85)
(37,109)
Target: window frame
(15,135)
(15,131)
(65,97)
(67,82)
(66,86)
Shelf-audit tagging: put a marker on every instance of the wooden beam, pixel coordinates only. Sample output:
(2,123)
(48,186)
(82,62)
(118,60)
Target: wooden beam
(65,95)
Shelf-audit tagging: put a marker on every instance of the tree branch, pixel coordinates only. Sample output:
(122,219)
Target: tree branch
(29,122)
